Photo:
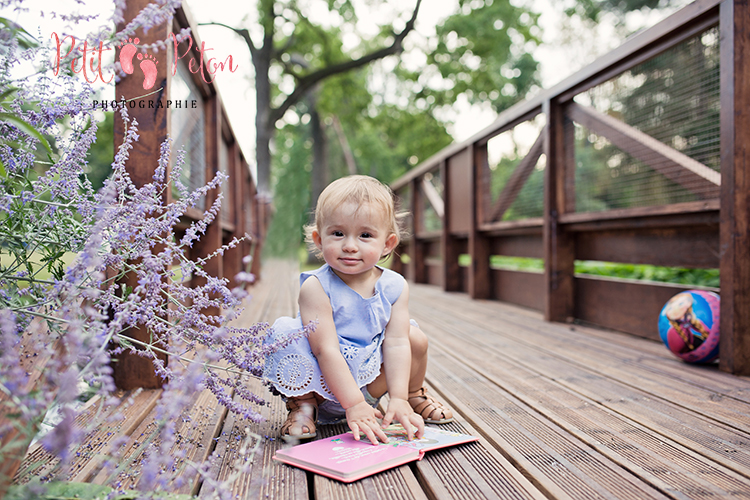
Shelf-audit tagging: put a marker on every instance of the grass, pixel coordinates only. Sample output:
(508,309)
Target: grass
(643,272)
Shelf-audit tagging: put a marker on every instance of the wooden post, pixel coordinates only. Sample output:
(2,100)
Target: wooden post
(734,356)
(448,246)
(131,371)
(211,240)
(262,206)
(479,245)
(417,270)
(233,256)
(559,250)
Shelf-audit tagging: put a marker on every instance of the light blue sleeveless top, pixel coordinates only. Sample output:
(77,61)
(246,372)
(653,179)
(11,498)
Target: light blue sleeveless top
(360,325)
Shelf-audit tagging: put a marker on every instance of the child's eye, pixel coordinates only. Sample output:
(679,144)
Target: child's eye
(366,235)
(338,233)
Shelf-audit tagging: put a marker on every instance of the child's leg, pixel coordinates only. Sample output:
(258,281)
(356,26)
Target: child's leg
(303,413)
(431,410)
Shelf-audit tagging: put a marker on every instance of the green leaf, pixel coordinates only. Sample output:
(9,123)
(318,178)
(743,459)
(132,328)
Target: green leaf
(22,125)
(6,93)
(25,40)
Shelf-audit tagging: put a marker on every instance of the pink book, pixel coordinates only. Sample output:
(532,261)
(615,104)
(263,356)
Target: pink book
(345,459)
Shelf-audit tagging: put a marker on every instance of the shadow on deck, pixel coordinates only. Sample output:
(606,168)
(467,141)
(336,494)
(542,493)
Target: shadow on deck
(562,411)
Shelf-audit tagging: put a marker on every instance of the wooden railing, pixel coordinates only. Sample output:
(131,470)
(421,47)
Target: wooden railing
(603,167)
(191,111)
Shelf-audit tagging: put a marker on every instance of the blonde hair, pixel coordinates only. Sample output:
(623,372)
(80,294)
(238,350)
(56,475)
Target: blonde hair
(359,189)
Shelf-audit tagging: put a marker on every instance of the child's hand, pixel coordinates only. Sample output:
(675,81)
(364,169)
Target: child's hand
(401,410)
(364,418)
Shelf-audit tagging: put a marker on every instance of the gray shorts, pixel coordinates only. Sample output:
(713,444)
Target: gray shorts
(331,412)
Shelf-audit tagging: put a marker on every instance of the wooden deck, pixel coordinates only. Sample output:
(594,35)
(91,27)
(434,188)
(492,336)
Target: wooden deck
(562,412)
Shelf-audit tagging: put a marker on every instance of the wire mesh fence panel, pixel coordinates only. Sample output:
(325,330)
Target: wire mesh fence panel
(189,131)
(432,190)
(515,175)
(650,136)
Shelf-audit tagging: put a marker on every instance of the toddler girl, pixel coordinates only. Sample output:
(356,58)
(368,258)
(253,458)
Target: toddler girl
(364,344)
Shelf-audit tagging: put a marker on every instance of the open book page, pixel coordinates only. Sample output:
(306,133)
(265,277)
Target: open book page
(346,459)
(343,458)
(433,438)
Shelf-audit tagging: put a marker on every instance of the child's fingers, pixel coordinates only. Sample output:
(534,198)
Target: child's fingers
(355,431)
(372,436)
(380,434)
(387,420)
(411,425)
(418,423)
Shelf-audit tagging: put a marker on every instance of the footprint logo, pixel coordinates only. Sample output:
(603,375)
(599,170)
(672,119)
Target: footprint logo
(127,51)
(148,66)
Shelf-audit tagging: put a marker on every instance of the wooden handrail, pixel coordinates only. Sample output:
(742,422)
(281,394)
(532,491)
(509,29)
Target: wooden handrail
(702,233)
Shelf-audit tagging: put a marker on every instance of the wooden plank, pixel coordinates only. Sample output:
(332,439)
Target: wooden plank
(518,287)
(735,193)
(102,424)
(643,355)
(530,225)
(518,246)
(254,474)
(608,359)
(686,247)
(475,470)
(194,434)
(33,361)
(612,303)
(554,461)
(692,175)
(270,297)
(665,464)
(713,426)
(517,180)
(676,214)
(435,275)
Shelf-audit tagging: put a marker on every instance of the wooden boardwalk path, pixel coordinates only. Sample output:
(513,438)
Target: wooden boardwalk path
(562,412)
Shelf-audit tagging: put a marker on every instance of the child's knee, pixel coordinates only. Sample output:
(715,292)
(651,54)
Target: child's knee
(418,341)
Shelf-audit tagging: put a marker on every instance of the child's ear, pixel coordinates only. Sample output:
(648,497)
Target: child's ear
(317,240)
(390,244)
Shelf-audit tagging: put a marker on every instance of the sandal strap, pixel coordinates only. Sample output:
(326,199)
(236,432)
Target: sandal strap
(428,405)
(298,415)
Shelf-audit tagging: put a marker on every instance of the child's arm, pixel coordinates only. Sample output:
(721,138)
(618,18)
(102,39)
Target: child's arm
(314,304)
(397,365)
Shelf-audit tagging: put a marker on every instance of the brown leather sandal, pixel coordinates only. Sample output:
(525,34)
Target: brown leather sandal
(433,412)
(303,413)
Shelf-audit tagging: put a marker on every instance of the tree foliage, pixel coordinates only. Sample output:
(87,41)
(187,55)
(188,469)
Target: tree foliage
(484,52)
(594,9)
(387,115)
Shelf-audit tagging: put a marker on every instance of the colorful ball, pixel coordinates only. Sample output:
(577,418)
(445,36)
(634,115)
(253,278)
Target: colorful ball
(689,326)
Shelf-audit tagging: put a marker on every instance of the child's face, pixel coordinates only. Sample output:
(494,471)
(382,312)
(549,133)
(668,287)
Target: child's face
(354,238)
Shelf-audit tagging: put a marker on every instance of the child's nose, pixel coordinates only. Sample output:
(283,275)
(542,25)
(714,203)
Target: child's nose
(350,245)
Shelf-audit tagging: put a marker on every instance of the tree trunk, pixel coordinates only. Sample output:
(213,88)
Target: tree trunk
(264,129)
(319,172)
(320,175)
